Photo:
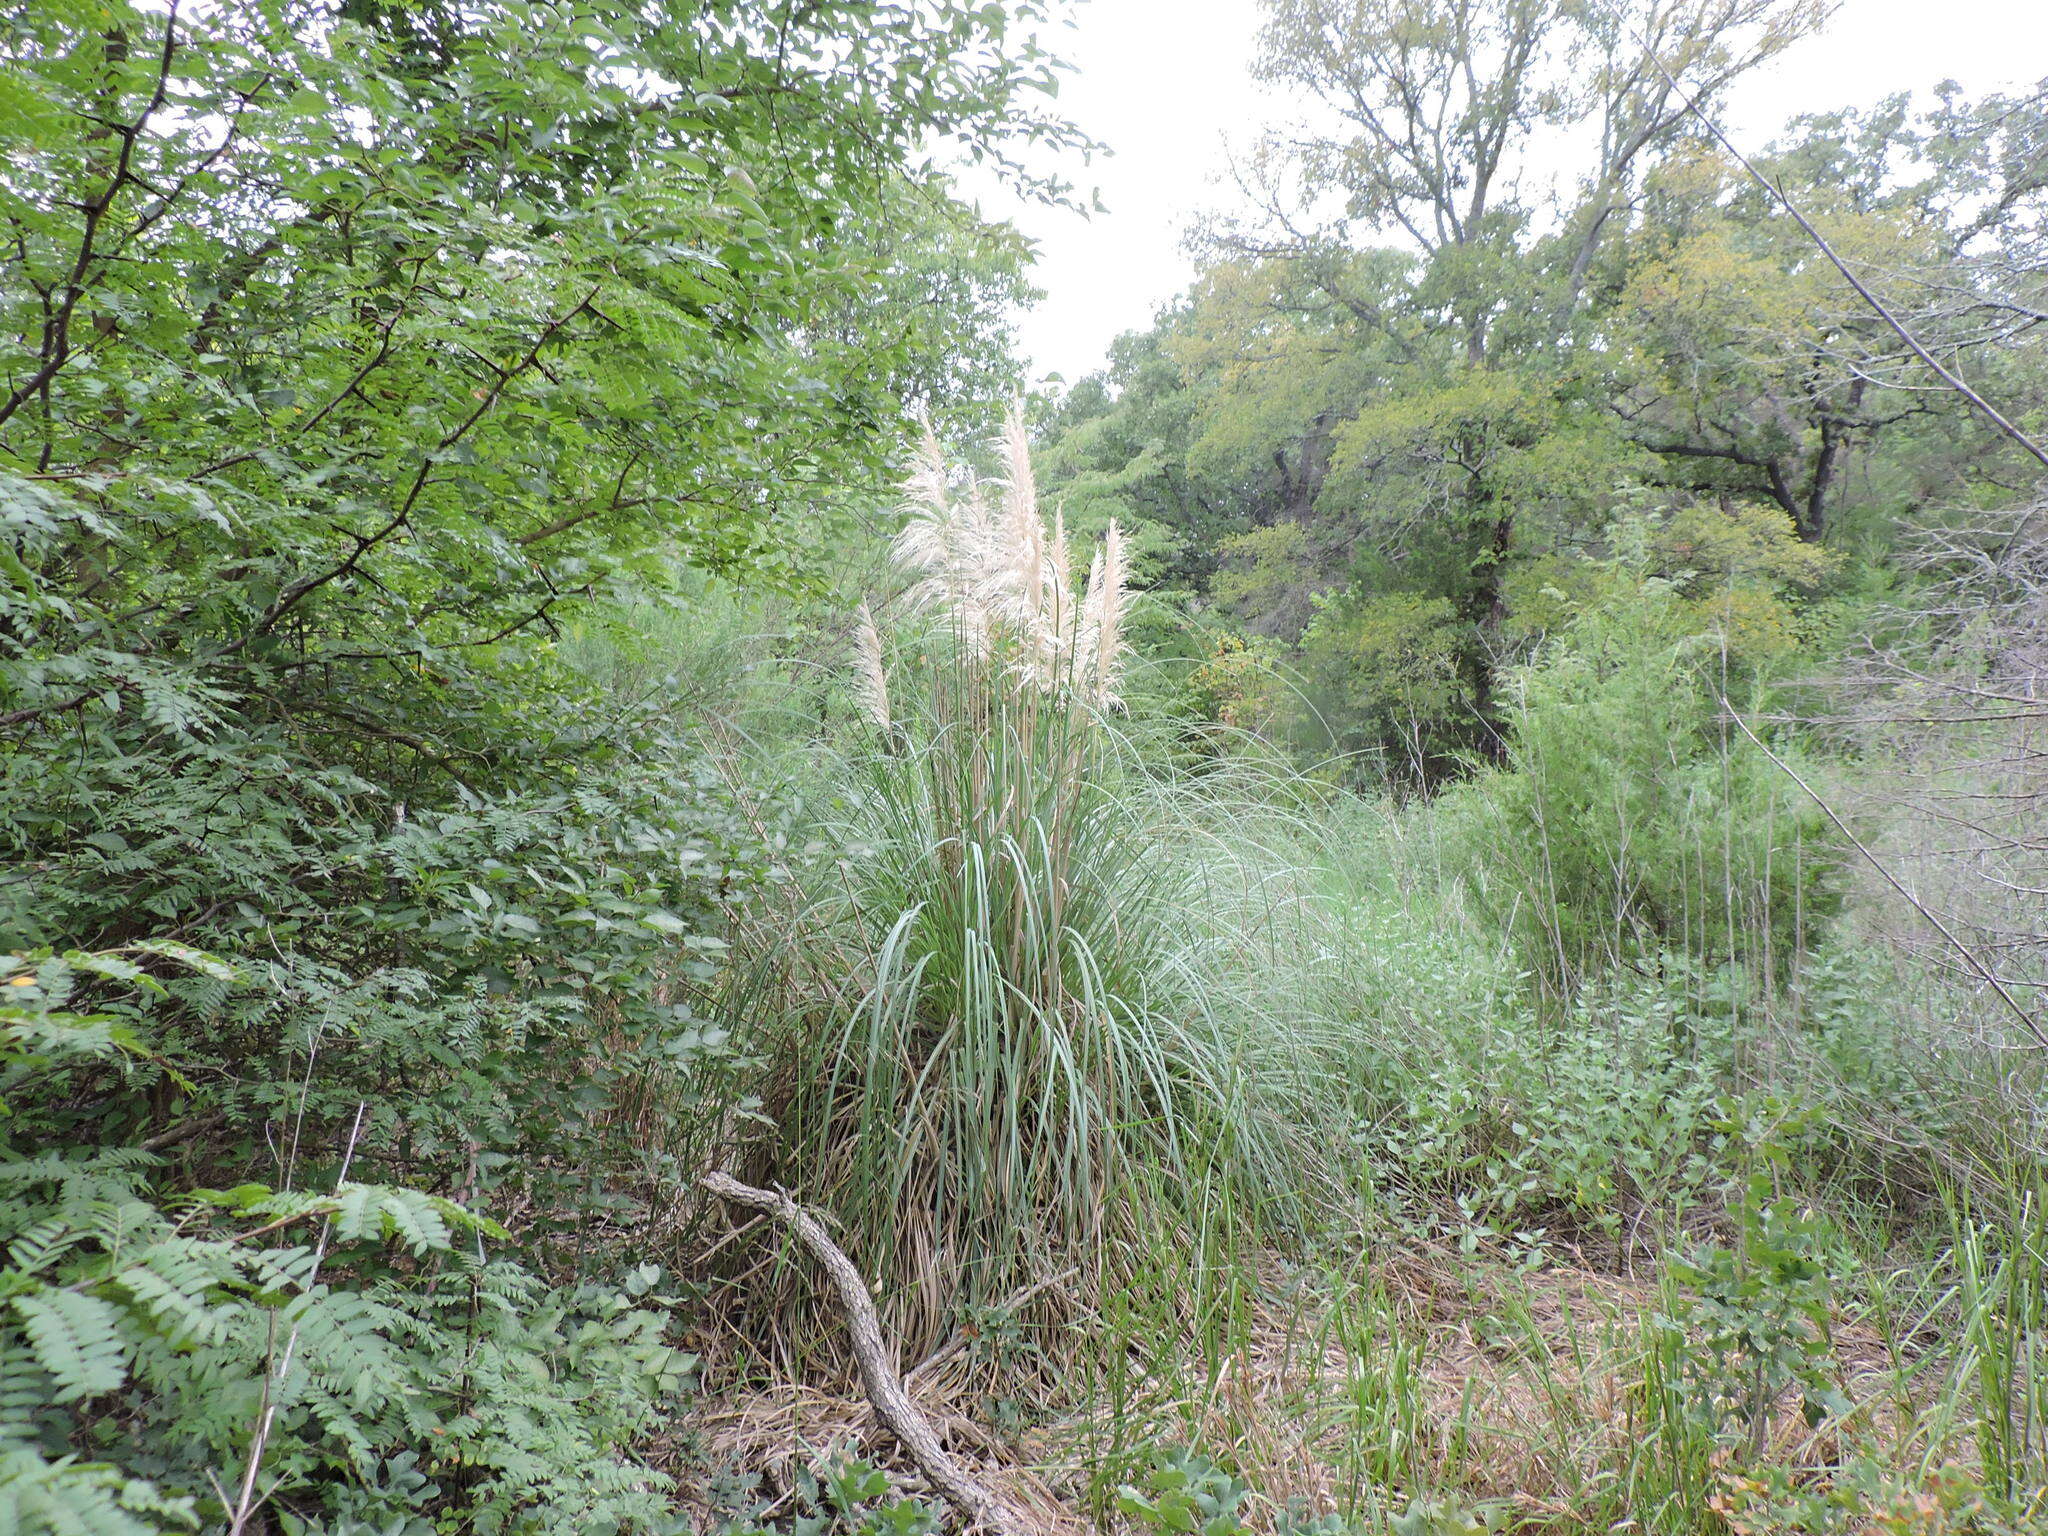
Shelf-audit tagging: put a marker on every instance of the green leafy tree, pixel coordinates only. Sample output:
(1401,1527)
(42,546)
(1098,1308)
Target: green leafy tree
(338,367)
(1394,346)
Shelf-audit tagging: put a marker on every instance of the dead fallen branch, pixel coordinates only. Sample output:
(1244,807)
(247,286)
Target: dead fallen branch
(877,1373)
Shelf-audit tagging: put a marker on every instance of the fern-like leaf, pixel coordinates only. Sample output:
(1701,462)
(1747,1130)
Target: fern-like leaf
(76,1339)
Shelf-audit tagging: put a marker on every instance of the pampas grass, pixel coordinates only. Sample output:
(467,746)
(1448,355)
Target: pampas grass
(1002,581)
(870,677)
(1102,619)
(1063,1044)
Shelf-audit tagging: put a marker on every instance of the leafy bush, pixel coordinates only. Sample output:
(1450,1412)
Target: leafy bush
(1525,1131)
(333,426)
(1386,671)
(1626,821)
(521,955)
(1752,1318)
(351,1359)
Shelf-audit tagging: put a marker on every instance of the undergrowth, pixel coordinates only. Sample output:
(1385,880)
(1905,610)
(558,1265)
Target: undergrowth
(1254,1157)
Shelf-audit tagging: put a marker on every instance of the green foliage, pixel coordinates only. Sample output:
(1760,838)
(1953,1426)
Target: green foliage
(312,438)
(1184,1494)
(1626,822)
(1386,672)
(1240,684)
(489,946)
(2003,1296)
(1753,1315)
(1421,365)
(845,1497)
(1867,1495)
(1438,1517)
(419,428)
(1266,578)
(357,1348)
(1616,1129)
(314,434)
(352,359)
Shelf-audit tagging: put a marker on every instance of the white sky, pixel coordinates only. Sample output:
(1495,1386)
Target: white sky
(1166,85)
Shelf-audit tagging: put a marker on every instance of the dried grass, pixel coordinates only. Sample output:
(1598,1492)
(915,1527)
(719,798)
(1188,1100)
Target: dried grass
(778,1430)
(1525,1385)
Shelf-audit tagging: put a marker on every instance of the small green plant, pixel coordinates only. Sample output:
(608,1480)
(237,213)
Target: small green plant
(1185,1494)
(2002,1293)
(1864,1498)
(1383,1409)
(846,1497)
(1449,1517)
(1753,1316)
(1613,1125)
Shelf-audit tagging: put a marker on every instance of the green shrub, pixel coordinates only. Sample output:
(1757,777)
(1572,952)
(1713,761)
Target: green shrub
(347,1360)
(1753,1318)
(1525,1131)
(1385,674)
(1630,816)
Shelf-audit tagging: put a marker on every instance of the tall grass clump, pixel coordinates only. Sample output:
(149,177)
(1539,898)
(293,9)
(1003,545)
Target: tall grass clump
(1031,1028)
(1631,818)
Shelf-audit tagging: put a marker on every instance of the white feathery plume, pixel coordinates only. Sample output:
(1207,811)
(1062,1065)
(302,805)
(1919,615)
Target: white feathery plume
(1020,578)
(1102,619)
(1020,494)
(981,542)
(1084,628)
(1060,569)
(929,485)
(1025,528)
(932,537)
(998,567)
(948,539)
(871,679)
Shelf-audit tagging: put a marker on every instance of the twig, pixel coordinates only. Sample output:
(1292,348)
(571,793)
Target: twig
(1983,971)
(273,1382)
(892,1404)
(957,1340)
(56,339)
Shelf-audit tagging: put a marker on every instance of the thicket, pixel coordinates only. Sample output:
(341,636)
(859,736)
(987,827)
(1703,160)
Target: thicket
(1629,819)
(348,356)
(1574,510)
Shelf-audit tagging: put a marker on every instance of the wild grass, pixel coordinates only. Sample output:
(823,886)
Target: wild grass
(1226,1150)
(1494,1329)
(1029,1025)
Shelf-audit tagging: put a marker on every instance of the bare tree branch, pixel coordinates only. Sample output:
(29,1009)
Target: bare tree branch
(878,1374)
